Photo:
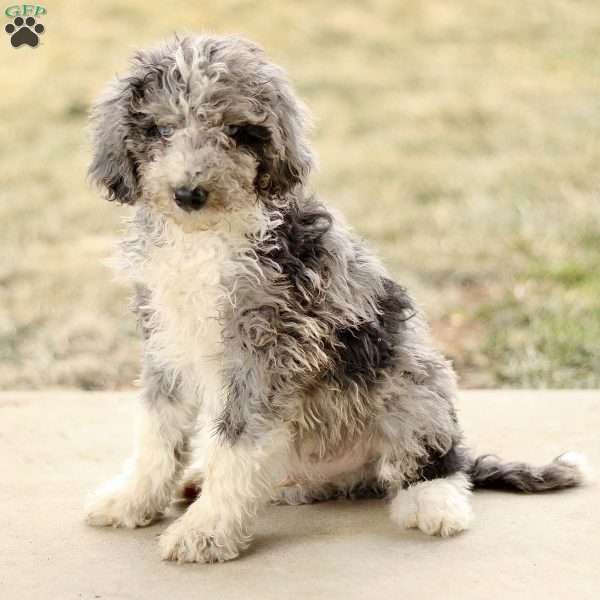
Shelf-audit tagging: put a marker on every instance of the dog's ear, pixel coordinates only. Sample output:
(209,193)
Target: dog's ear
(293,159)
(113,168)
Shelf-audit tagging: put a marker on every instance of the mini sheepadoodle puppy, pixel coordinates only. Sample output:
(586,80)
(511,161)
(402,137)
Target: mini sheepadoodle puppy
(281,362)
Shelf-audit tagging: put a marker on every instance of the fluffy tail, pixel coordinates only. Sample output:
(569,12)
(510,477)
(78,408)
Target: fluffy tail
(567,470)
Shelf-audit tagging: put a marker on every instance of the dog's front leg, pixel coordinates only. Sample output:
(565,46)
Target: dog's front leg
(240,478)
(142,492)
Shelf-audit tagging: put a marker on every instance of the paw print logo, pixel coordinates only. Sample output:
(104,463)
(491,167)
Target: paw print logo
(24,32)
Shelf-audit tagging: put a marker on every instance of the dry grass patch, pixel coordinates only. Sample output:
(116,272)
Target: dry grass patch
(461,138)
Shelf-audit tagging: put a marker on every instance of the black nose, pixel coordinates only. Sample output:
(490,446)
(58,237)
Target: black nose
(190,199)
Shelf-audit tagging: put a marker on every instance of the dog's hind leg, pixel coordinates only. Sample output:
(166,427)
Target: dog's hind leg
(436,507)
(436,500)
(422,456)
(437,497)
(144,489)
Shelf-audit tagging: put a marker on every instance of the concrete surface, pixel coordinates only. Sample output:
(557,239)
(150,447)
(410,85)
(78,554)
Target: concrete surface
(56,446)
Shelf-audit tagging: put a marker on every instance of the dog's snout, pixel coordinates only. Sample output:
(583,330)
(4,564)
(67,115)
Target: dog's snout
(190,198)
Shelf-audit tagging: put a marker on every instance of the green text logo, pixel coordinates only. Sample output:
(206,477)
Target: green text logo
(25,10)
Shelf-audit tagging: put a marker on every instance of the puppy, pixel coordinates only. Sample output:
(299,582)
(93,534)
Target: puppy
(281,362)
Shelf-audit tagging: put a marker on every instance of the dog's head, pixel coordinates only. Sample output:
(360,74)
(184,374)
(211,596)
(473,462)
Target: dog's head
(199,125)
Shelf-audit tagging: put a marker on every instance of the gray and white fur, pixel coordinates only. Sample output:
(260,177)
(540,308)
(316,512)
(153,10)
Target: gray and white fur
(281,361)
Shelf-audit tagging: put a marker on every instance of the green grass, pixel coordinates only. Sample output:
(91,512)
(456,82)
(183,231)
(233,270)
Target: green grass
(461,138)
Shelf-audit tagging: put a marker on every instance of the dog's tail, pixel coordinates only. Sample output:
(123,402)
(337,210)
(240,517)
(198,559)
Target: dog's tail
(567,470)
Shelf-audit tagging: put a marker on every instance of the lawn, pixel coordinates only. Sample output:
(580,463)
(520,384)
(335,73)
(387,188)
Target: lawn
(462,139)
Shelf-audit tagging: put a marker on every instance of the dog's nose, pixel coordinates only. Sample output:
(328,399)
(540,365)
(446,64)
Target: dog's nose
(190,199)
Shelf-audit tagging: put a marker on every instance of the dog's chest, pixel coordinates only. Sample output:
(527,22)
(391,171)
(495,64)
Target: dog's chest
(186,298)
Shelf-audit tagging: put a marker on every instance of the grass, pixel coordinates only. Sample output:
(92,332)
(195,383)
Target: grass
(461,138)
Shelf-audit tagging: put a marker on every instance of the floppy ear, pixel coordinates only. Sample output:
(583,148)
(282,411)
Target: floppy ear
(113,167)
(293,158)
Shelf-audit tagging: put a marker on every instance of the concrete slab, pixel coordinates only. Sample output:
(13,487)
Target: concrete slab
(56,446)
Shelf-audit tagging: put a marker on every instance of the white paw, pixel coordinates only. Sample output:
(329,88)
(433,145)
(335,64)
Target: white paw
(437,507)
(116,505)
(185,544)
(579,462)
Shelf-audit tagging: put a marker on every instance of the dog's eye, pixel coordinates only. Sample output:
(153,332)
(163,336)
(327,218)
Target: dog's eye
(231,130)
(160,131)
(165,130)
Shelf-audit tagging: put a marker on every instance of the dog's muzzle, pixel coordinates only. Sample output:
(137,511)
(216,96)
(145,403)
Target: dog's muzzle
(190,199)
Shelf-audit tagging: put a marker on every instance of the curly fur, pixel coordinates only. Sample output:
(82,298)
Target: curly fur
(281,361)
